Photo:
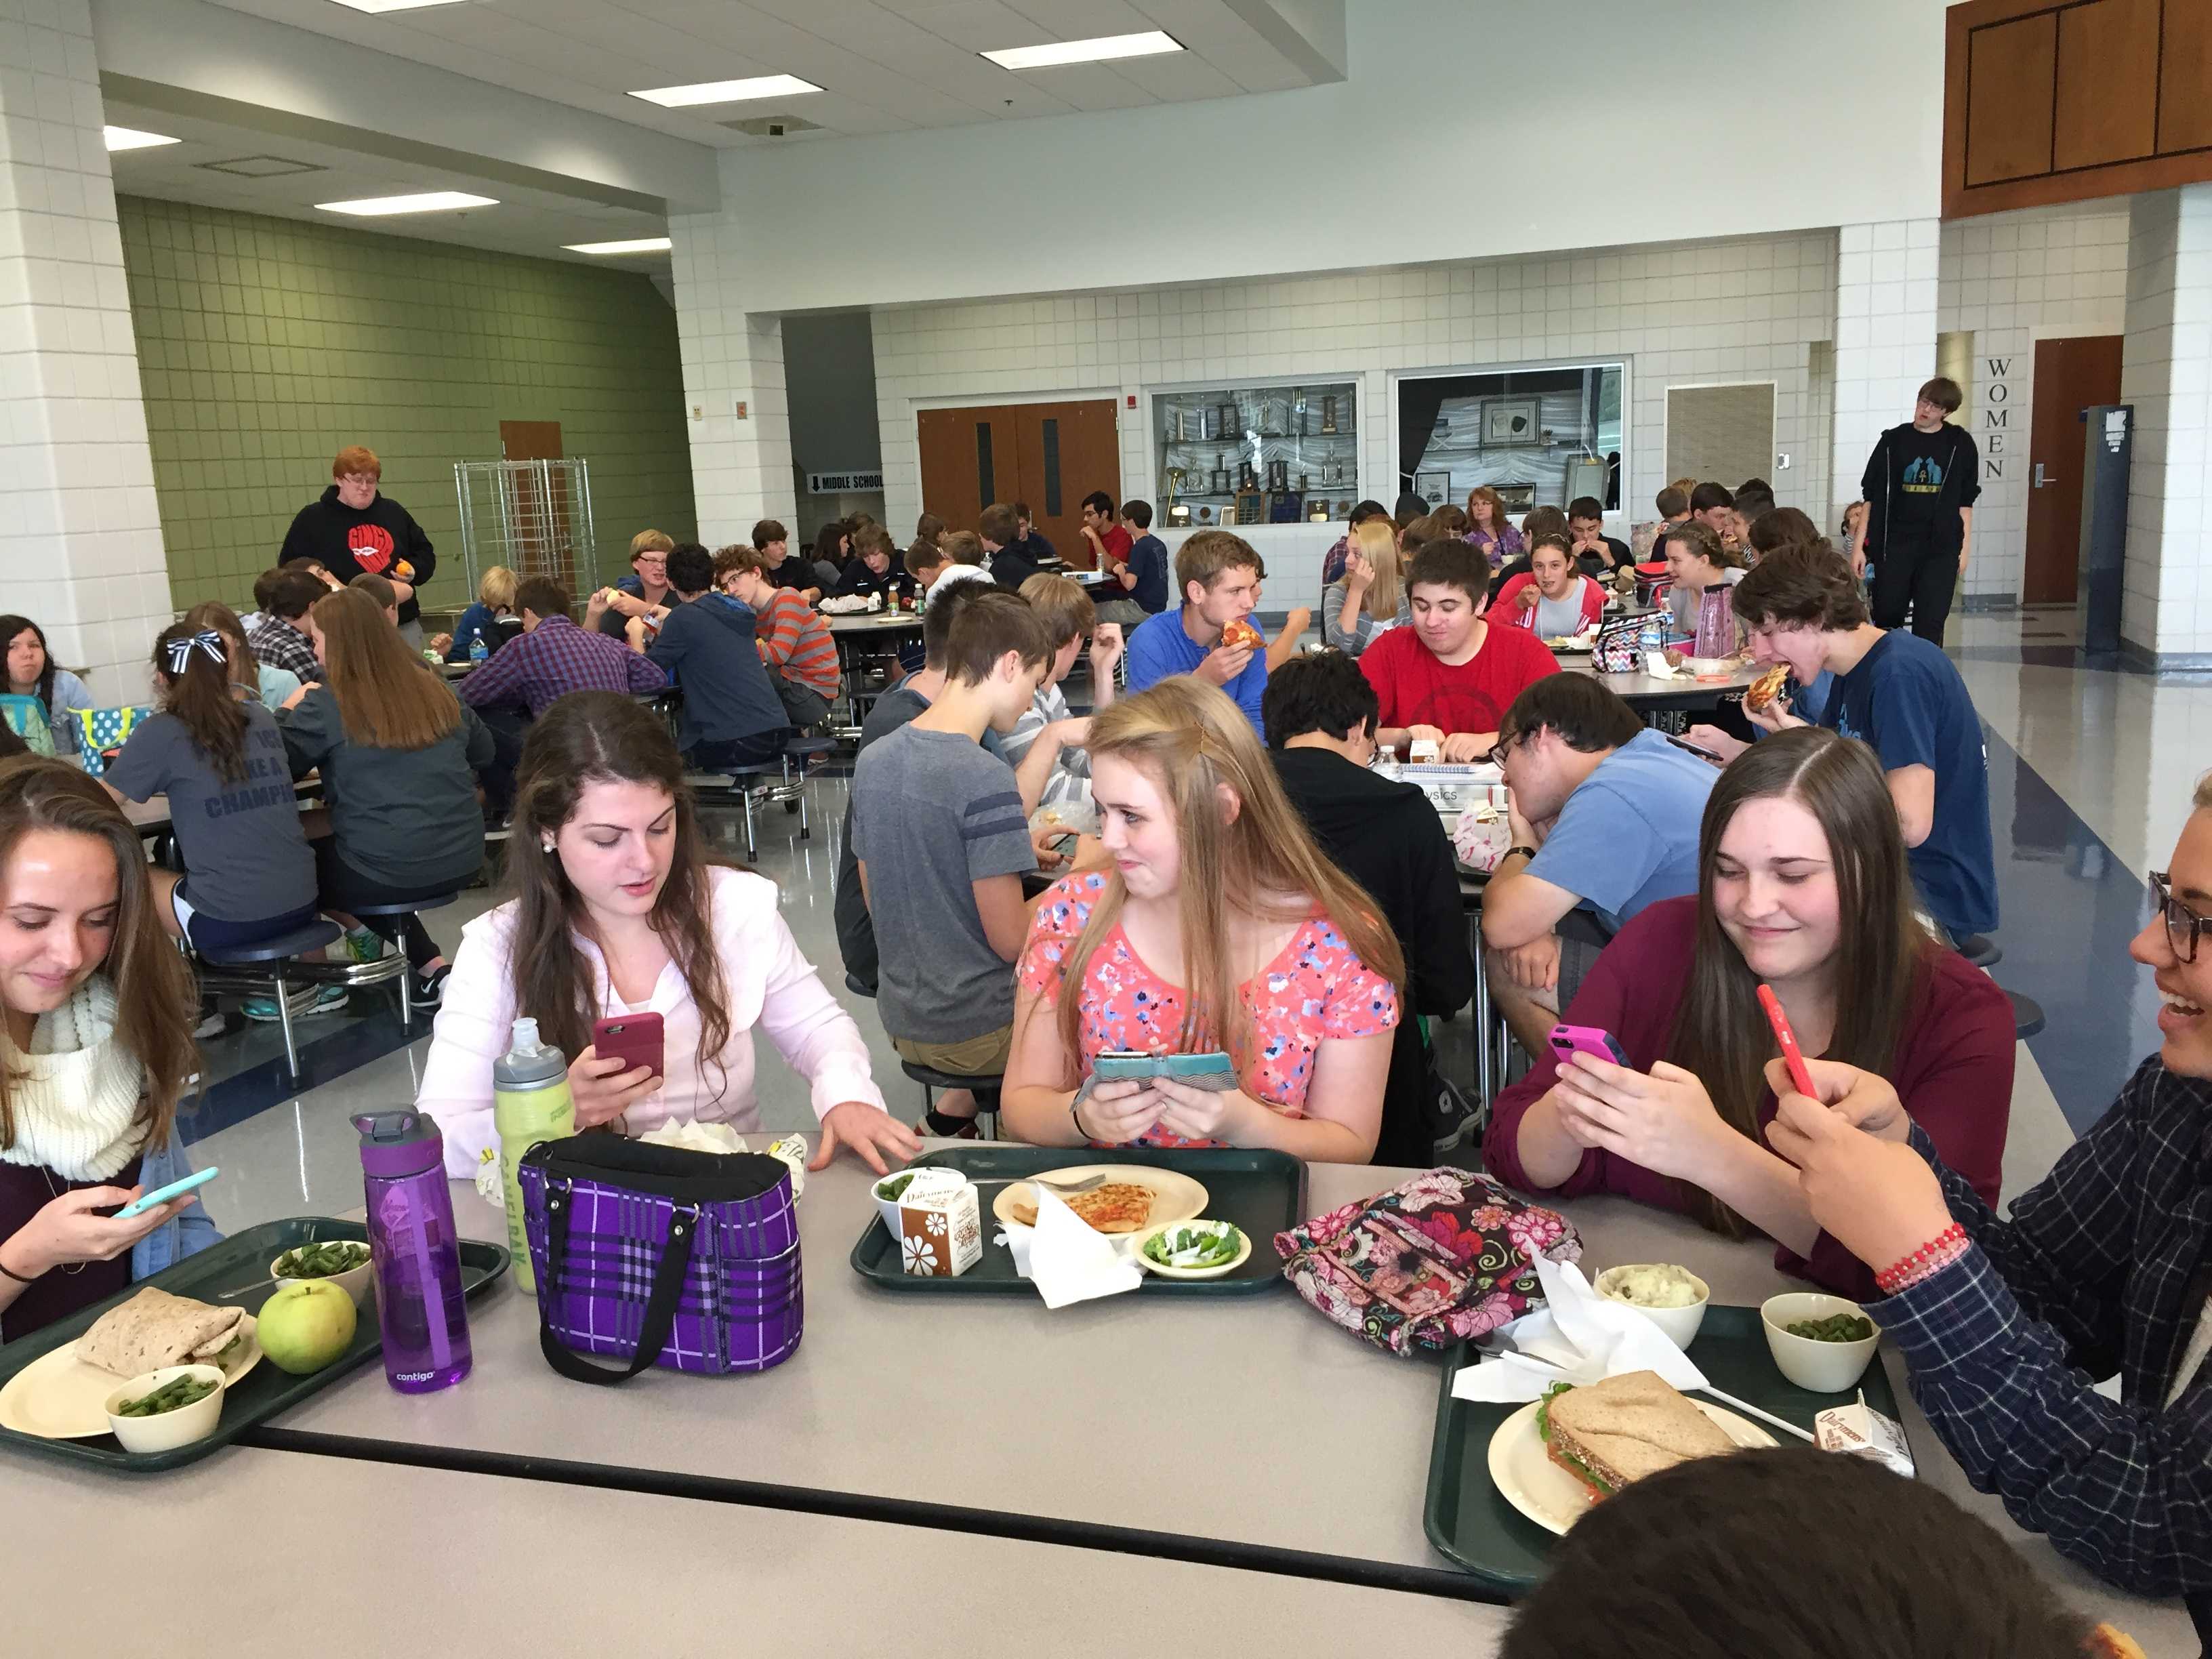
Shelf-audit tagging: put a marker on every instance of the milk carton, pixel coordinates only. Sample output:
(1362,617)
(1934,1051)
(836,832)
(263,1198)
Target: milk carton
(940,1230)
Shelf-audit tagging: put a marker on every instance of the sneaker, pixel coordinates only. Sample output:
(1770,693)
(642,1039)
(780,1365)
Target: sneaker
(328,1001)
(363,945)
(430,989)
(214,1023)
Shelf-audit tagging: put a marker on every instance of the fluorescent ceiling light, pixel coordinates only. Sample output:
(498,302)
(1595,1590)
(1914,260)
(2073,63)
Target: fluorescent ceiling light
(392,5)
(726,92)
(637,245)
(131,139)
(1103,49)
(436,201)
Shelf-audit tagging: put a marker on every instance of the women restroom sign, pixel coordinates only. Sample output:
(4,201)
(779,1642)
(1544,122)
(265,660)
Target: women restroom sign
(1994,399)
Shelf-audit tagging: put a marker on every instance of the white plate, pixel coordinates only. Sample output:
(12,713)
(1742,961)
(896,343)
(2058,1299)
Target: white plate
(59,1397)
(1574,647)
(1546,1493)
(1176,1196)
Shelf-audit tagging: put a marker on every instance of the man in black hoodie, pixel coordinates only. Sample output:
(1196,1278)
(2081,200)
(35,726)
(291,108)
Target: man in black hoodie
(731,716)
(354,531)
(1920,484)
(1321,715)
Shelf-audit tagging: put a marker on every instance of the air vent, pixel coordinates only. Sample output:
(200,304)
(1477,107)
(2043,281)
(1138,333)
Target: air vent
(260,167)
(773,126)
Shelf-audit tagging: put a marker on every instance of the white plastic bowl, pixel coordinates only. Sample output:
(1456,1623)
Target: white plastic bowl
(1680,1324)
(354,1281)
(1818,1367)
(171,1428)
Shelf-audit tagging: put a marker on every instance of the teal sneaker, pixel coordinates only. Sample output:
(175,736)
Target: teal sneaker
(363,945)
(328,1001)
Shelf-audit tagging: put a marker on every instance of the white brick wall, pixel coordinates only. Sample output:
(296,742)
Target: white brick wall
(2010,279)
(740,469)
(1745,309)
(80,539)
(1886,303)
(2166,373)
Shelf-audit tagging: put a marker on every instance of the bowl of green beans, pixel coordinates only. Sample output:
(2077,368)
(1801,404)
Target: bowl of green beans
(1821,1343)
(344,1262)
(167,1408)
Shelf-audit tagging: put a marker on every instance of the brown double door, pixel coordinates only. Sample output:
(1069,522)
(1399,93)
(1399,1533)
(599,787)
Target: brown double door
(1050,455)
(2069,376)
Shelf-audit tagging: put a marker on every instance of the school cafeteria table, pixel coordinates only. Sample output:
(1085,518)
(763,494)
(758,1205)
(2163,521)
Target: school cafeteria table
(347,1556)
(1647,694)
(1135,1423)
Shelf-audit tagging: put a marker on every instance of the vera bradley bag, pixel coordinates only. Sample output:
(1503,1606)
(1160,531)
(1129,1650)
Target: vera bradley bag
(1442,1257)
(658,1255)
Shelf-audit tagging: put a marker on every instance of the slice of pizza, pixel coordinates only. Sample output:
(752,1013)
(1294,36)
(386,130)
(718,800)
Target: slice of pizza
(1119,1207)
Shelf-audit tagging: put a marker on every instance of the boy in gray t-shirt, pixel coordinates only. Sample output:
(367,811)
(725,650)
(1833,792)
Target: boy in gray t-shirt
(943,844)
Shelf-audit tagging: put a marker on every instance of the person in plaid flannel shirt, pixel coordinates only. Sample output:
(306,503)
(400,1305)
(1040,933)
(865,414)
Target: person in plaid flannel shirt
(2103,1268)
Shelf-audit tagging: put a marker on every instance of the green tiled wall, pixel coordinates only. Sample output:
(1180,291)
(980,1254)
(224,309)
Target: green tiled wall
(265,345)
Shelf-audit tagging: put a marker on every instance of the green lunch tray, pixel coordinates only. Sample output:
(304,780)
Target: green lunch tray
(234,1273)
(1262,1192)
(1468,1519)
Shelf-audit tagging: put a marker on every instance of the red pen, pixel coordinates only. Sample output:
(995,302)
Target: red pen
(1792,1056)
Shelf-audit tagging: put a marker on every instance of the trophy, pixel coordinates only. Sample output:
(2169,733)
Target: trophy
(1231,425)
(1279,477)
(1175,476)
(1329,411)
(1246,478)
(1299,414)
(1178,424)
(1220,478)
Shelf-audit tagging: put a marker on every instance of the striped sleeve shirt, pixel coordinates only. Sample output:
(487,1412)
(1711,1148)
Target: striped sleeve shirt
(794,642)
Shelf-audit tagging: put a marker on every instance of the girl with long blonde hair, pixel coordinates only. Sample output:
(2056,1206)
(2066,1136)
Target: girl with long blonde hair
(1371,598)
(1218,926)
(398,753)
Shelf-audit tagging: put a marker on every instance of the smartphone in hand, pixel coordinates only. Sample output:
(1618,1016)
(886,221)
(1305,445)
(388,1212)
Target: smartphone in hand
(1590,1040)
(635,1039)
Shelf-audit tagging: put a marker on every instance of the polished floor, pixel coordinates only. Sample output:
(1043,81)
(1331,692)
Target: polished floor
(2091,771)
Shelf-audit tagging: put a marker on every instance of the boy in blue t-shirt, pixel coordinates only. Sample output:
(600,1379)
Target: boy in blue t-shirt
(1902,698)
(1144,572)
(1210,634)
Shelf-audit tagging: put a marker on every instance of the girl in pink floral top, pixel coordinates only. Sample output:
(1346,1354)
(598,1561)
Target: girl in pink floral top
(1218,925)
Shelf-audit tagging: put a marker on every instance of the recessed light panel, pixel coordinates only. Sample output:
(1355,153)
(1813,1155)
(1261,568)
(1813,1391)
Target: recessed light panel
(726,92)
(392,5)
(1104,49)
(436,201)
(636,245)
(131,139)
(260,167)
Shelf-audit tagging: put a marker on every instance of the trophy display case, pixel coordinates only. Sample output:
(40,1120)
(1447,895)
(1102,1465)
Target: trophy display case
(1256,454)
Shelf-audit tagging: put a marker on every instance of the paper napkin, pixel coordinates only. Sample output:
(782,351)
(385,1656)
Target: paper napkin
(1576,1336)
(1066,1259)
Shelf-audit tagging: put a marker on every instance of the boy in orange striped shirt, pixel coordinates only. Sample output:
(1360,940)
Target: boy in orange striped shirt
(793,639)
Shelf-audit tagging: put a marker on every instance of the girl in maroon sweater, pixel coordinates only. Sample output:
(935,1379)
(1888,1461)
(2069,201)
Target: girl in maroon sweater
(1801,886)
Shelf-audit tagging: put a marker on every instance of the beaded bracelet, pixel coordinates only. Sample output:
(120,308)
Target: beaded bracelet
(1931,1259)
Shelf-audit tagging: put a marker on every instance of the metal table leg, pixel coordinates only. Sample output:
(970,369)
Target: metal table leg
(1483,1045)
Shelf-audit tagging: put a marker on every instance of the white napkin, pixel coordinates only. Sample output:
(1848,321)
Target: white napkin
(1066,1259)
(1577,1337)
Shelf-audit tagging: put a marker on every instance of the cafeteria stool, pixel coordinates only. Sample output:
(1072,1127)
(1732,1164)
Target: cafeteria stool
(268,969)
(2027,1018)
(802,749)
(932,1081)
(395,963)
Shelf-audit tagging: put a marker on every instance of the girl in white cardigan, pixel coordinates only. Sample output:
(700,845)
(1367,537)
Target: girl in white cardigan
(618,910)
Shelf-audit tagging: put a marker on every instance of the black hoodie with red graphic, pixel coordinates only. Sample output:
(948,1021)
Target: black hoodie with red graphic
(381,539)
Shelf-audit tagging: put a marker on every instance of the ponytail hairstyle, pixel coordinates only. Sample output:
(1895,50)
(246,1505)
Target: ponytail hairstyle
(604,737)
(1260,861)
(192,667)
(153,989)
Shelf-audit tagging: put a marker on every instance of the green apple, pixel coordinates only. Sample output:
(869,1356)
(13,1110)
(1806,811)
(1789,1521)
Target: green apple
(307,1325)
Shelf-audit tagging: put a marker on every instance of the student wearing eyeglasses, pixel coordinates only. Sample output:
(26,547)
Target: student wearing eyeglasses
(2103,1268)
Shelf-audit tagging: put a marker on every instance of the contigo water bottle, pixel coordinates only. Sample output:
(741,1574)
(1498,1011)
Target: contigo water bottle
(415,1251)
(530,1103)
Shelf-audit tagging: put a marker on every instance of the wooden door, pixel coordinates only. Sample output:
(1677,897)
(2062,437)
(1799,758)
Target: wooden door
(1050,455)
(2069,376)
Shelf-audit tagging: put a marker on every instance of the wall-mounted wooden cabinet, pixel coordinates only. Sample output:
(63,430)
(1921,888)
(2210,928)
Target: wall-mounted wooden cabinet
(2048,103)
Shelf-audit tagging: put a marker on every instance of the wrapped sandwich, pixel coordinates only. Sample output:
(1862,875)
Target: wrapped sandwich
(154,1329)
(1613,1433)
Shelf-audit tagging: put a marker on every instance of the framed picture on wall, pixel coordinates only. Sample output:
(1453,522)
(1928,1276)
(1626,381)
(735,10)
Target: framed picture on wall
(1434,488)
(1510,421)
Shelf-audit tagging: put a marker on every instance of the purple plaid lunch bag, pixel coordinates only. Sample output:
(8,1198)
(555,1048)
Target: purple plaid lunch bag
(660,1256)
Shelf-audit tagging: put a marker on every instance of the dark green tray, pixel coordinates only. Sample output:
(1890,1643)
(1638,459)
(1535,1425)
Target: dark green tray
(1468,1519)
(1262,1192)
(233,1274)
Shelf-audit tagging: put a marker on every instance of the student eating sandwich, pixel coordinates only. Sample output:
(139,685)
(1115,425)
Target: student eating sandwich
(2103,1268)
(1801,886)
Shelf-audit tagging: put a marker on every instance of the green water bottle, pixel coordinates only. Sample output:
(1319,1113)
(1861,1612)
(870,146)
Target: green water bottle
(530,1103)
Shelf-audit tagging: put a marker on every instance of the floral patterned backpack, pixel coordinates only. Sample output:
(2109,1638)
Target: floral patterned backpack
(1437,1259)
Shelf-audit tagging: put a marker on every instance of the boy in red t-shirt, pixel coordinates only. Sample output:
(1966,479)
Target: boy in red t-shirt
(1110,544)
(1451,676)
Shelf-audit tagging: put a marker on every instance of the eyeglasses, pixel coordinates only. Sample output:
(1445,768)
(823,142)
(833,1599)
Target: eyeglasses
(2184,927)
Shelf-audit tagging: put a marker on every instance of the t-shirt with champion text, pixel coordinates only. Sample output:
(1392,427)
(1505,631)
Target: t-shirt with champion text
(245,857)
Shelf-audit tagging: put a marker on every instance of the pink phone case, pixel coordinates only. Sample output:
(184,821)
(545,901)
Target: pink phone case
(1586,1039)
(635,1038)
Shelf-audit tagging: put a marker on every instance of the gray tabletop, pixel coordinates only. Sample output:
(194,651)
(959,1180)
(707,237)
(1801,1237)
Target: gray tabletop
(1647,688)
(1310,1440)
(876,621)
(437,1560)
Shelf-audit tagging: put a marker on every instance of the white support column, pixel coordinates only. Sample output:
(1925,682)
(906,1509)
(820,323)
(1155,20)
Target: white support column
(80,537)
(1886,282)
(2166,373)
(740,464)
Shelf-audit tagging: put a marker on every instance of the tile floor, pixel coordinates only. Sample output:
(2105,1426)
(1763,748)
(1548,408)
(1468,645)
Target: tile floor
(2091,771)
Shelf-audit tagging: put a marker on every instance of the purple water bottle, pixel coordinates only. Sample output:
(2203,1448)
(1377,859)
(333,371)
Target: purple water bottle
(415,1251)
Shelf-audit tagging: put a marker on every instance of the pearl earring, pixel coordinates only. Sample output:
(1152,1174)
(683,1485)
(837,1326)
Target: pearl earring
(546,845)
